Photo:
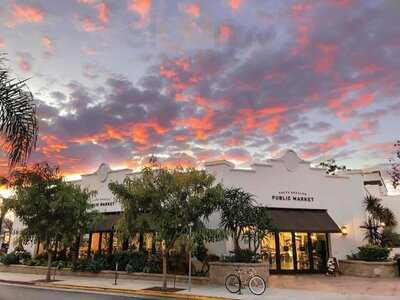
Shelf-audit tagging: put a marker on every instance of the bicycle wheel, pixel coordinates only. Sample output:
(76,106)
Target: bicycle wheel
(257,285)
(232,283)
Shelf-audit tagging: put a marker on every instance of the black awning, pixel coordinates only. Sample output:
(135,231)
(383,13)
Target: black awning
(302,220)
(107,222)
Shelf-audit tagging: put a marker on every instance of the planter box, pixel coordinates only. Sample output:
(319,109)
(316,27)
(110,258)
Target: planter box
(219,270)
(368,269)
(39,270)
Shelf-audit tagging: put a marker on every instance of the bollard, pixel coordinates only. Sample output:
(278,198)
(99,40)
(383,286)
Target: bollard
(116,274)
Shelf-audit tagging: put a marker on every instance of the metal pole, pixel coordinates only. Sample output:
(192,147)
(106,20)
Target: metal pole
(190,257)
(116,274)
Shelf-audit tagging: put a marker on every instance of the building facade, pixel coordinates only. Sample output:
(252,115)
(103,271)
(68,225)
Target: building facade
(315,215)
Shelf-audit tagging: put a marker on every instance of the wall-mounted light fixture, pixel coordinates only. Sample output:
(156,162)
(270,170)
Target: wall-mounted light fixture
(344,230)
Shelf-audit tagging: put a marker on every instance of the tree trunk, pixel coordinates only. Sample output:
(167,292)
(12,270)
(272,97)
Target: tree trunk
(236,246)
(164,266)
(48,274)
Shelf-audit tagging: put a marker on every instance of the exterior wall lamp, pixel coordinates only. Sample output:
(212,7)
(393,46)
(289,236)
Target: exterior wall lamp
(344,230)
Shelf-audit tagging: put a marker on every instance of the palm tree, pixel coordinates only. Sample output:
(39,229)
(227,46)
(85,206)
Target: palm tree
(18,122)
(378,217)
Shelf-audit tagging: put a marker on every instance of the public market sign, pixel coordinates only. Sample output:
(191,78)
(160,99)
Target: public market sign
(293,196)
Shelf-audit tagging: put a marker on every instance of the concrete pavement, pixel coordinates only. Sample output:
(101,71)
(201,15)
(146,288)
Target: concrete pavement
(283,287)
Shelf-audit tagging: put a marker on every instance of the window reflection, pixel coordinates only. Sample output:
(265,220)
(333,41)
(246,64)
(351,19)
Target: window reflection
(286,250)
(302,251)
(268,246)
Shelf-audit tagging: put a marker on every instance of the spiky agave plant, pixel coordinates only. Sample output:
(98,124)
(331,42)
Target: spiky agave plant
(18,121)
(378,218)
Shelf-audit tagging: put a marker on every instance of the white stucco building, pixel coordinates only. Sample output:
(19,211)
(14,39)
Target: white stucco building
(315,215)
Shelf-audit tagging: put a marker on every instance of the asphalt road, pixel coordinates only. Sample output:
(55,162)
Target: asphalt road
(21,292)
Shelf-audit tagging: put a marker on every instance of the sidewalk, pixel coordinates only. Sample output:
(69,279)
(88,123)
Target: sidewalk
(135,287)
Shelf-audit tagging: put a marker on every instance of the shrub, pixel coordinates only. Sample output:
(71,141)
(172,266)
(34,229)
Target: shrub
(370,253)
(131,261)
(10,259)
(36,262)
(152,265)
(241,256)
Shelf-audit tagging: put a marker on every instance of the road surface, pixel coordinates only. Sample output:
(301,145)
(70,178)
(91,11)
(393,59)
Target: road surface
(23,292)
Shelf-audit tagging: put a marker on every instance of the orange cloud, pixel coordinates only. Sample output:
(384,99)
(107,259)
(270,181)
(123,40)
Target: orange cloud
(268,118)
(102,12)
(200,126)
(24,13)
(324,64)
(142,8)
(48,44)
(88,2)
(23,63)
(225,33)
(138,132)
(89,25)
(51,144)
(193,10)
(235,4)
(2,43)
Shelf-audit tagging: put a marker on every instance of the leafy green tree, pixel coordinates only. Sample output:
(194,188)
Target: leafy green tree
(173,199)
(241,217)
(331,166)
(18,122)
(379,218)
(52,210)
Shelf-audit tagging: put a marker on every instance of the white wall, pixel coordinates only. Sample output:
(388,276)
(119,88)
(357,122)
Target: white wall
(341,196)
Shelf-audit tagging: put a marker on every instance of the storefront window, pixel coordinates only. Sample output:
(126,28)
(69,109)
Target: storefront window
(148,241)
(268,246)
(105,242)
(94,246)
(302,251)
(286,250)
(320,251)
(116,244)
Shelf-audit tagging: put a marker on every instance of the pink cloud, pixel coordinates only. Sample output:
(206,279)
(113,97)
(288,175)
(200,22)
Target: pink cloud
(142,8)
(235,4)
(103,12)
(24,62)
(89,25)
(2,43)
(225,33)
(192,10)
(48,44)
(24,13)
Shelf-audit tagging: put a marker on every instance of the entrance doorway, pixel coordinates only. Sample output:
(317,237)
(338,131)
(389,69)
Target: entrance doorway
(296,251)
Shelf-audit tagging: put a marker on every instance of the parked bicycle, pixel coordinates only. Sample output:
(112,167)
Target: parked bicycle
(236,281)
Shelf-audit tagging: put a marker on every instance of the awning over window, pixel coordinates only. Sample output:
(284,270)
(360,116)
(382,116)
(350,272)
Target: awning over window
(302,220)
(107,222)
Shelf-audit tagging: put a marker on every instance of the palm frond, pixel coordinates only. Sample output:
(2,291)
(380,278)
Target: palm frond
(18,122)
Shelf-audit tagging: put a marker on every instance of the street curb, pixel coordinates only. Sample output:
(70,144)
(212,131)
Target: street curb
(172,295)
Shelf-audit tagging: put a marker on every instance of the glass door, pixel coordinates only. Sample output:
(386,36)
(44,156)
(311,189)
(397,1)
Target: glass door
(286,251)
(302,251)
(319,251)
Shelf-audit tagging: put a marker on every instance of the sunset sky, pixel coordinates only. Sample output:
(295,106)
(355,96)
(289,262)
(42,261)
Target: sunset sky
(189,81)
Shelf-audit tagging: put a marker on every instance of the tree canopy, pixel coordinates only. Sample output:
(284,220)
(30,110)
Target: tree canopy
(173,199)
(18,121)
(379,223)
(331,166)
(51,209)
(241,217)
